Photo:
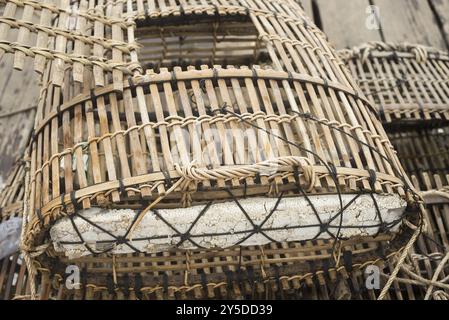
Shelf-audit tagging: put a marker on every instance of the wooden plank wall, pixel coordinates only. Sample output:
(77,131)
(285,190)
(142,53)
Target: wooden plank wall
(415,21)
(441,9)
(344,22)
(307,6)
(18,90)
(410,21)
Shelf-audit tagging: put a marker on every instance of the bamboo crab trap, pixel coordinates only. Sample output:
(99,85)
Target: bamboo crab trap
(192,150)
(424,154)
(407,83)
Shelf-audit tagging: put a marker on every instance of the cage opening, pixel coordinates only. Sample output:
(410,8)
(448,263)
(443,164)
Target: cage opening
(210,41)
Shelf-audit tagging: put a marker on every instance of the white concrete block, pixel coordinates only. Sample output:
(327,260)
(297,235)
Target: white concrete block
(227,218)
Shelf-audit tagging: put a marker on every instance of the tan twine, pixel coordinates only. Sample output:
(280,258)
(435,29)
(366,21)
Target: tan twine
(435,276)
(418,230)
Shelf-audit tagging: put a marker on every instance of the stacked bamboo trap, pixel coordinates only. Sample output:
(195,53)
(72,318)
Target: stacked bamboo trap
(407,83)
(154,116)
(409,86)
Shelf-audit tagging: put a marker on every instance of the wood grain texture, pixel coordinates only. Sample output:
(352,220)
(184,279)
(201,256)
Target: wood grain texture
(18,90)
(441,9)
(410,21)
(344,22)
(307,6)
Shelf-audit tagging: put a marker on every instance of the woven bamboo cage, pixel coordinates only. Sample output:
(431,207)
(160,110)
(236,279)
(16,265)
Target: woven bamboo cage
(407,83)
(424,155)
(174,140)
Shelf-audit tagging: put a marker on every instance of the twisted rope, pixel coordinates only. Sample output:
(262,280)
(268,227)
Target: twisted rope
(418,231)
(435,275)
(192,173)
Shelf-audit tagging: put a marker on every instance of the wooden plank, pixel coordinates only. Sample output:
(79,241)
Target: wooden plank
(148,135)
(441,9)
(98,48)
(120,140)
(79,49)
(15,129)
(307,6)
(78,138)
(409,21)
(345,22)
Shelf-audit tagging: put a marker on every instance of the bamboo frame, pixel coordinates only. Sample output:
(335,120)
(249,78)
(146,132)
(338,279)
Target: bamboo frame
(109,134)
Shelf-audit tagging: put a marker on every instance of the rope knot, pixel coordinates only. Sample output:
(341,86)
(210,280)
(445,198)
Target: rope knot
(188,172)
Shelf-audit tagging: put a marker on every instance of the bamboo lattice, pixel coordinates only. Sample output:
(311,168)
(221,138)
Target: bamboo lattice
(407,83)
(121,124)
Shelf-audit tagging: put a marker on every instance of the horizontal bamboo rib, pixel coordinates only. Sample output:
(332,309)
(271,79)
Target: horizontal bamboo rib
(182,263)
(212,74)
(155,177)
